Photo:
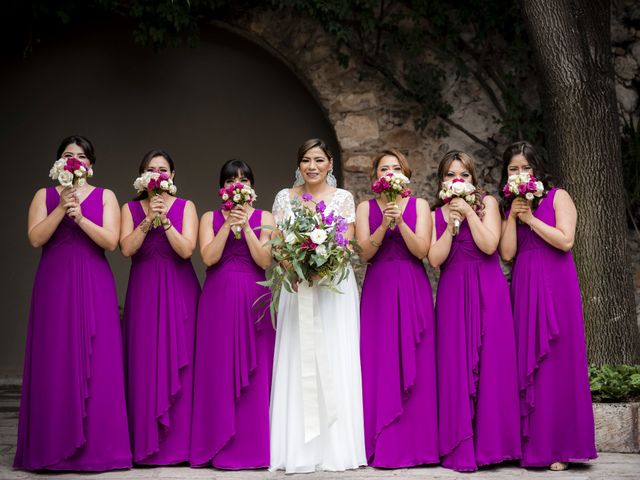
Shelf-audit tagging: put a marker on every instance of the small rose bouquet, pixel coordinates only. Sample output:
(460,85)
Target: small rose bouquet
(391,185)
(155,183)
(312,247)
(236,194)
(458,188)
(70,171)
(523,185)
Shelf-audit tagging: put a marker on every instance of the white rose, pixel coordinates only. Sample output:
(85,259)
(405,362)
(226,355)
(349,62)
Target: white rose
(469,198)
(59,164)
(291,238)
(318,236)
(81,182)
(225,197)
(237,197)
(529,196)
(458,188)
(164,185)
(78,173)
(65,178)
(53,173)
(321,250)
(90,173)
(173,189)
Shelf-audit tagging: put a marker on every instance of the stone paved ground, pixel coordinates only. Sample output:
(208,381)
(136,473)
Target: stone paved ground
(609,466)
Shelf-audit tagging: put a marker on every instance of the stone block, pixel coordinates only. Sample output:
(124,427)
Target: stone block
(355,102)
(355,130)
(617,427)
(358,163)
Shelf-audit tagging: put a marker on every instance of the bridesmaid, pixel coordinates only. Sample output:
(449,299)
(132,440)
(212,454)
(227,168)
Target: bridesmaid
(555,399)
(72,411)
(159,319)
(234,349)
(397,327)
(475,342)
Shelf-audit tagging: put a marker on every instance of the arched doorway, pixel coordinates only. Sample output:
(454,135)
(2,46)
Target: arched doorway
(227,98)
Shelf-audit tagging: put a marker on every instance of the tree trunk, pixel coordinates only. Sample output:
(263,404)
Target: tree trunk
(571,41)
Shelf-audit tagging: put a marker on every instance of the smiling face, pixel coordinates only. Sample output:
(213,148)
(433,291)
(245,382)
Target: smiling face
(74,150)
(314,166)
(519,164)
(458,170)
(159,164)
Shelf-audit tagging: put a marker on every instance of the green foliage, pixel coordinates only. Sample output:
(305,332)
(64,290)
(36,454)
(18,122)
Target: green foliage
(615,383)
(631,166)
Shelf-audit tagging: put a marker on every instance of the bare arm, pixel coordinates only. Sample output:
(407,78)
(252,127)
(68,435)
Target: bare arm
(486,230)
(40,226)
(107,235)
(508,246)
(212,245)
(131,239)
(418,242)
(563,234)
(369,242)
(183,243)
(440,247)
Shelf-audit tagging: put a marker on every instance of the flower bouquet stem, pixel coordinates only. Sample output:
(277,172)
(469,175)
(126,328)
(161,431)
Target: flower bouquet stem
(391,198)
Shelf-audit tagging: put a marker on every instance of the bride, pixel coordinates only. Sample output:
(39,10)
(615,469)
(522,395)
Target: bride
(316,396)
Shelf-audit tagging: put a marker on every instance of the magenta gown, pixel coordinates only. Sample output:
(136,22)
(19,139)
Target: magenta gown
(234,359)
(478,409)
(72,412)
(159,329)
(555,399)
(397,353)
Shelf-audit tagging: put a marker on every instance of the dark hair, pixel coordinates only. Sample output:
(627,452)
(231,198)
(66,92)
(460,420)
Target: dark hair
(313,143)
(391,152)
(144,164)
(231,168)
(535,162)
(82,142)
(468,162)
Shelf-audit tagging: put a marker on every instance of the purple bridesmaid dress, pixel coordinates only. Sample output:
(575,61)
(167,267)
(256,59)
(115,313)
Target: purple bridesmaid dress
(72,412)
(233,363)
(555,399)
(397,352)
(478,408)
(159,330)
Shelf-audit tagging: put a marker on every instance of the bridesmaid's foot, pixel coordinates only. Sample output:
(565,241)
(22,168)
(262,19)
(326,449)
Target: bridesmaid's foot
(558,466)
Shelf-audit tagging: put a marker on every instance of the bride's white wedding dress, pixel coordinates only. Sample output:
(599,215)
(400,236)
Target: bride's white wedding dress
(316,396)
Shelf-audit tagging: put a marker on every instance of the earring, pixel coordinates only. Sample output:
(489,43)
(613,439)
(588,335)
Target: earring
(331,179)
(298,178)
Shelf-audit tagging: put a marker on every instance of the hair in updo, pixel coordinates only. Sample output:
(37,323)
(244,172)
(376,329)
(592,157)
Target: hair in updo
(391,152)
(313,143)
(83,142)
(235,168)
(469,164)
(535,162)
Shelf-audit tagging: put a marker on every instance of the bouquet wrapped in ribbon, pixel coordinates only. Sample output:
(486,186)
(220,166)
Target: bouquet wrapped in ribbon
(458,188)
(523,185)
(391,185)
(70,171)
(155,183)
(312,248)
(236,194)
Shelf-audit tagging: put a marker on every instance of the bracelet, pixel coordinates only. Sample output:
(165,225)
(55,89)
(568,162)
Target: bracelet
(145,226)
(374,243)
(166,225)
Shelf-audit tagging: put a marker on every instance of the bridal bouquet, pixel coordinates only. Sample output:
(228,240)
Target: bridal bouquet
(523,185)
(312,248)
(458,188)
(70,171)
(155,183)
(236,194)
(391,185)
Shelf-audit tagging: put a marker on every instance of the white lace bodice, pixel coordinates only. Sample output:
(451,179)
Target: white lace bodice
(341,203)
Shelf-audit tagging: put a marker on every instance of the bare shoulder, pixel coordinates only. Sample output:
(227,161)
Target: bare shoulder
(108,196)
(363,206)
(267,217)
(422,203)
(490,201)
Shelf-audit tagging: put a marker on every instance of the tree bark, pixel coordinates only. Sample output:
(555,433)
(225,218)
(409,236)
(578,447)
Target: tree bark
(572,48)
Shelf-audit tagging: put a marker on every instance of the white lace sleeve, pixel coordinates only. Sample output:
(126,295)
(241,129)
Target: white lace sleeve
(281,205)
(345,206)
